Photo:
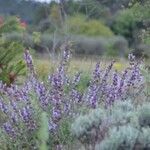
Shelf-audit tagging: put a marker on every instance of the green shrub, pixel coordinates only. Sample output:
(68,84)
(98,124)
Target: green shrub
(25,39)
(124,23)
(130,21)
(89,46)
(117,46)
(112,46)
(11,24)
(86,127)
(142,50)
(119,138)
(122,112)
(144,137)
(79,25)
(144,115)
(124,126)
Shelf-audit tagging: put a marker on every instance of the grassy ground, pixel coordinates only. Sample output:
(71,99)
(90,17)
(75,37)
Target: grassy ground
(44,65)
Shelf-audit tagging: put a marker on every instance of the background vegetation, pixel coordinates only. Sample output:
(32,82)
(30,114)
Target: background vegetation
(109,27)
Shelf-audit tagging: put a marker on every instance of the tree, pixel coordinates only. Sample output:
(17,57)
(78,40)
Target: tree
(131,21)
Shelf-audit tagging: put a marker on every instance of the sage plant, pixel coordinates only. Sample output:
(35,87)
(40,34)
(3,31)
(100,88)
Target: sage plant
(59,98)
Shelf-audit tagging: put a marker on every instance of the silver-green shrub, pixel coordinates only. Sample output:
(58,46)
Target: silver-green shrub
(144,115)
(123,126)
(144,138)
(86,127)
(119,138)
(122,112)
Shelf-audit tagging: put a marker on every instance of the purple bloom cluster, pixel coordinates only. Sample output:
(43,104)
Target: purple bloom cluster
(9,129)
(16,109)
(108,87)
(41,93)
(3,107)
(60,96)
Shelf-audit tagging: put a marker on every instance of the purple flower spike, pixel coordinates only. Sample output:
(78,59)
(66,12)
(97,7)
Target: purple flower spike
(14,118)
(97,72)
(42,93)
(25,114)
(131,57)
(9,129)
(115,79)
(76,79)
(3,107)
(52,126)
(122,83)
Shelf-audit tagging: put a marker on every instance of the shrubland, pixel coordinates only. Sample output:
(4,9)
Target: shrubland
(110,112)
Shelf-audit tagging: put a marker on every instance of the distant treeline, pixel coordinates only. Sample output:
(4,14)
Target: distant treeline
(27,10)
(94,25)
(33,11)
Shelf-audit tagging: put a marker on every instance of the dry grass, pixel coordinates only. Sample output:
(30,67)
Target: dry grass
(44,65)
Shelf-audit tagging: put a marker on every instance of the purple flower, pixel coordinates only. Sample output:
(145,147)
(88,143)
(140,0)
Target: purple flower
(25,113)
(92,95)
(131,57)
(8,128)
(76,96)
(56,114)
(3,107)
(96,73)
(76,79)
(42,93)
(13,104)
(14,118)
(2,87)
(115,79)
(136,76)
(52,126)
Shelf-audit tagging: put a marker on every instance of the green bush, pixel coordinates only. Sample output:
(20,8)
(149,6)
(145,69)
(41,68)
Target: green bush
(25,39)
(124,23)
(112,46)
(131,19)
(79,25)
(11,24)
(117,46)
